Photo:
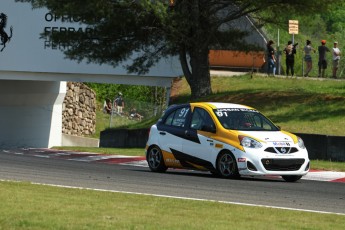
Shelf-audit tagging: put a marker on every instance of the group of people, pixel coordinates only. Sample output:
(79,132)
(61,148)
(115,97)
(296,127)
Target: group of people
(290,51)
(119,104)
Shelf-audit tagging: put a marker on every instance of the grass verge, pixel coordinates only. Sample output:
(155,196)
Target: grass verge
(297,105)
(28,206)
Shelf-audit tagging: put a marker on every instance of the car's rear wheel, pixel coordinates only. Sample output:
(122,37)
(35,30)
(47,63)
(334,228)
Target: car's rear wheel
(227,166)
(291,178)
(155,159)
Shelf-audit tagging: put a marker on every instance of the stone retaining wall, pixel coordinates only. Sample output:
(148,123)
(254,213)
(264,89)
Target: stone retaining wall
(79,110)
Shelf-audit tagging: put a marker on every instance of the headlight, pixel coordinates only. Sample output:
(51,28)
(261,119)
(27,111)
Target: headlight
(248,142)
(301,143)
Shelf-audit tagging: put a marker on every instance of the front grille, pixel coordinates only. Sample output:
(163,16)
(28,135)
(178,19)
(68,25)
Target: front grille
(282,164)
(281,150)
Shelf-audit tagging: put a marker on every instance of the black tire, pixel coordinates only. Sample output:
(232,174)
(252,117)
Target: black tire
(155,159)
(227,166)
(291,178)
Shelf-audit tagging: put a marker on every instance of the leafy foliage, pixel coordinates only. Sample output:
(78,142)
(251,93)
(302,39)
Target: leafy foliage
(135,96)
(152,29)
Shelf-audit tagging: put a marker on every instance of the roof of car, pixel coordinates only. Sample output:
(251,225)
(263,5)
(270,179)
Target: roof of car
(212,105)
(221,105)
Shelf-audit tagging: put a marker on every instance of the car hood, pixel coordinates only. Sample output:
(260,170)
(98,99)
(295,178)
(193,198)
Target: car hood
(269,136)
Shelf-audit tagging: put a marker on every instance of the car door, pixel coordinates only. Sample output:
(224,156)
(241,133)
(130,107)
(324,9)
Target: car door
(199,144)
(172,130)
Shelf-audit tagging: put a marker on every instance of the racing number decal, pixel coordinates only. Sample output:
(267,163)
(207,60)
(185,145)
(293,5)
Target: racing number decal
(180,117)
(183,113)
(224,112)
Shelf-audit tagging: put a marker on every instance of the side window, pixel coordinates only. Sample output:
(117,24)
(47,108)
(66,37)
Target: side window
(201,120)
(178,117)
(262,124)
(169,119)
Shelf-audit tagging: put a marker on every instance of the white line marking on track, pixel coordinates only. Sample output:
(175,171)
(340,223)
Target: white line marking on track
(42,156)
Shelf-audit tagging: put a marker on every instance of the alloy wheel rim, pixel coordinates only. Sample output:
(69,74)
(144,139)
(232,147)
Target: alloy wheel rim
(154,158)
(226,165)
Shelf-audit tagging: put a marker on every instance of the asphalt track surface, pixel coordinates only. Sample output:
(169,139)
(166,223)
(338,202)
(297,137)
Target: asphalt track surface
(311,195)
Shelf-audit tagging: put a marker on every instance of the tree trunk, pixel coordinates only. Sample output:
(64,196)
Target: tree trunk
(198,77)
(197,72)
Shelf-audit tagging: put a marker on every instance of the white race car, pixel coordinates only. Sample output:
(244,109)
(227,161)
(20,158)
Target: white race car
(226,139)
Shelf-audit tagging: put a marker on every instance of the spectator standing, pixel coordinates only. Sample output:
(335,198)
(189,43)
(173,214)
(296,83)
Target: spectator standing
(290,51)
(271,59)
(119,103)
(336,58)
(322,58)
(307,57)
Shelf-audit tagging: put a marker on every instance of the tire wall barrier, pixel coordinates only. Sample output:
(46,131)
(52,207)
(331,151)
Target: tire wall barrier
(124,138)
(320,147)
(323,147)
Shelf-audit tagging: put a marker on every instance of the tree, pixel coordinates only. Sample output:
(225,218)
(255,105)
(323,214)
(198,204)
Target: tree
(157,28)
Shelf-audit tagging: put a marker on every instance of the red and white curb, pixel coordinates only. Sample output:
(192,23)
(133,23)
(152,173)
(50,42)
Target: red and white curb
(325,176)
(93,157)
(140,161)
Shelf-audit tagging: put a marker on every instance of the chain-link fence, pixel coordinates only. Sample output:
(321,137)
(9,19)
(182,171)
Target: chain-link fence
(133,112)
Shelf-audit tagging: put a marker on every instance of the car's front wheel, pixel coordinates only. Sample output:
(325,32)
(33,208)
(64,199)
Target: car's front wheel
(291,178)
(155,159)
(227,166)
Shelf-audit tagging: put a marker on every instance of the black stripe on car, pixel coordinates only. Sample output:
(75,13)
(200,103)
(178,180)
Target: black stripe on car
(187,160)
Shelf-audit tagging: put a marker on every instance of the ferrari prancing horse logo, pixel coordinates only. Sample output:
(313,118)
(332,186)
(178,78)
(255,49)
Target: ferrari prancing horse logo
(5,38)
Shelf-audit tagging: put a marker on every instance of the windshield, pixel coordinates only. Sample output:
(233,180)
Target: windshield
(244,119)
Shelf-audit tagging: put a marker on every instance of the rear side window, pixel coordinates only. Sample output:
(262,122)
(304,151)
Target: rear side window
(178,117)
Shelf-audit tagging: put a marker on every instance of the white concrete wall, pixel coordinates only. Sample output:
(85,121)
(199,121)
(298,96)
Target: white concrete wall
(31,113)
(69,140)
(31,94)
(28,52)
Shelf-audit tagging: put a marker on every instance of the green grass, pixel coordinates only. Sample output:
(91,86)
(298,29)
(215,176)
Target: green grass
(103,122)
(28,206)
(297,105)
(328,165)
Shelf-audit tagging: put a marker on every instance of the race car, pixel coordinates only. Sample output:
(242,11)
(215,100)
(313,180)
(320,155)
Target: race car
(229,140)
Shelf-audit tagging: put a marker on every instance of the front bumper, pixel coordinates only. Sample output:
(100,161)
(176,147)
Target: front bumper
(255,162)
